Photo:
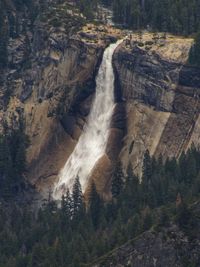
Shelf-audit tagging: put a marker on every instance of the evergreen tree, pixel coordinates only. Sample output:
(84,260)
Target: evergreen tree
(95,205)
(77,199)
(184,216)
(177,17)
(66,206)
(117,181)
(3,37)
(194,57)
(131,179)
(147,168)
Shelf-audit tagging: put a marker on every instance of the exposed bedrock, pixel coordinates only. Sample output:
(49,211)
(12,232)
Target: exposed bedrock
(162,101)
(55,124)
(157,108)
(68,86)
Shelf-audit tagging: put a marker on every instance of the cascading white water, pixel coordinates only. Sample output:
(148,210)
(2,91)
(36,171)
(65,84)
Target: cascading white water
(92,143)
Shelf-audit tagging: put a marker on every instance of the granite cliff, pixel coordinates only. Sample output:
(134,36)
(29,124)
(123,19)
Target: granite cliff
(50,83)
(161,94)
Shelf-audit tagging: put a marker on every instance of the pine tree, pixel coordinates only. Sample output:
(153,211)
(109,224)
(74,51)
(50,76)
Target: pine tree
(194,57)
(131,190)
(3,37)
(77,198)
(131,179)
(147,221)
(184,216)
(117,181)
(2,155)
(95,205)
(177,17)
(6,169)
(68,204)
(147,168)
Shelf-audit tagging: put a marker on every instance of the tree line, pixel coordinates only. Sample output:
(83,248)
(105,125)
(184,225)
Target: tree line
(13,145)
(51,236)
(194,56)
(178,17)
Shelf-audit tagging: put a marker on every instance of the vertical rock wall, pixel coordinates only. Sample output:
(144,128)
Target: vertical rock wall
(162,99)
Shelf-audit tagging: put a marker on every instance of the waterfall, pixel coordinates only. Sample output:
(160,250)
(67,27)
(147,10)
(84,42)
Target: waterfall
(92,143)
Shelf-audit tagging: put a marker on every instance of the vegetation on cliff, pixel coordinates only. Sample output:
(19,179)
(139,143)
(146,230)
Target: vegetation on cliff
(194,57)
(18,18)
(13,22)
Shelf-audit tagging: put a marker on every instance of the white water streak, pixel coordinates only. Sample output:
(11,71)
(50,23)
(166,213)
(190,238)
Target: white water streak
(92,143)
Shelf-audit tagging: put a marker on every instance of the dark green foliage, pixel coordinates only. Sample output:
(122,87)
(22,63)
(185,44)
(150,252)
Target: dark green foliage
(77,199)
(66,207)
(147,168)
(12,162)
(179,17)
(194,57)
(87,7)
(184,216)
(72,236)
(3,37)
(106,2)
(95,206)
(117,181)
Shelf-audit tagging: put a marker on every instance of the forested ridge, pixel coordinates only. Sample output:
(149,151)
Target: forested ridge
(73,235)
(179,17)
(13,144)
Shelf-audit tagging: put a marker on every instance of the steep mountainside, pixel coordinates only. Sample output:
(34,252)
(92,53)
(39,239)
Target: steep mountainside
(50,80)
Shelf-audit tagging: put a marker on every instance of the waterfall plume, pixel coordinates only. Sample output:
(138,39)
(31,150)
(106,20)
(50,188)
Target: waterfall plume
(92,143)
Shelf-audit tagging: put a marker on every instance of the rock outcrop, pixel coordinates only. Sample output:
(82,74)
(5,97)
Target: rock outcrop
(170,247)
(161,246)
(161,94)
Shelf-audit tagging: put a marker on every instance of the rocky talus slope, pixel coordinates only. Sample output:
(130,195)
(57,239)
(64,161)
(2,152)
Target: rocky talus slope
(161,93)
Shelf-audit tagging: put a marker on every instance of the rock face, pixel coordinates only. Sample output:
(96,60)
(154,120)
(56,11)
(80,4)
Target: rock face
(53,134)
(52,81)
(161,96)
